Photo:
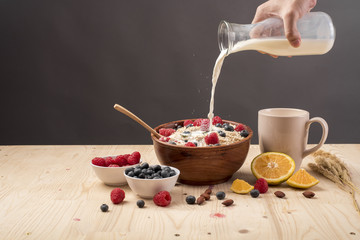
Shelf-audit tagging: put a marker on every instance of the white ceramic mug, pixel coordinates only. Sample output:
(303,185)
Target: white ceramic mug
(286,130)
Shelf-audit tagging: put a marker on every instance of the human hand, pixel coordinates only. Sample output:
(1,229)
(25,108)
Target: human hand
(290,11)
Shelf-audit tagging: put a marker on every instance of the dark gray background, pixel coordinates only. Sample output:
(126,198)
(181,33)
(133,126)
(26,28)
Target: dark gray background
(64,64)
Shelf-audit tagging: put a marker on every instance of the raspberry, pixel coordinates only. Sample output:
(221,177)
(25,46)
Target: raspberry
(133,160)
(136,155)
(261,185)
(187,122)
(126,156)
(166,131)
(205,124)
(239,127)
(217,120)
(117,195)
(120,160)
(211,138)
(197,122)
(113,165)
(190,144)
(164,139)
(98,161)
(108,161)
(162,198)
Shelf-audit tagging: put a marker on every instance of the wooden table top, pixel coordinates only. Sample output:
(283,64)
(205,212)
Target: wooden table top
(51,192)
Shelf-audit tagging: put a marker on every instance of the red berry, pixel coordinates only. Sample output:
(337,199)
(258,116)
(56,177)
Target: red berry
(217,120)
(164,139)
(197,122)
(187,122)
(117,195)
(136,155)
(133,160)
(108,161)
(239,128)
(120,160)
(126,156)
(98,161)
(190,144)
(211,138)
(205,124)
(261,185)
(113,165)
(166,131)
(162,198)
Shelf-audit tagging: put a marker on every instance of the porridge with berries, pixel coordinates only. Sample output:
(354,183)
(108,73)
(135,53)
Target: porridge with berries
(200,133)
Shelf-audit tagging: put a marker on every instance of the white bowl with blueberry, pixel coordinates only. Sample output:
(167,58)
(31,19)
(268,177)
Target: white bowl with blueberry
(146,180)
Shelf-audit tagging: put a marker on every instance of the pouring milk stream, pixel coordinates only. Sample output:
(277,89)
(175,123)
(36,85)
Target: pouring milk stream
(317,37)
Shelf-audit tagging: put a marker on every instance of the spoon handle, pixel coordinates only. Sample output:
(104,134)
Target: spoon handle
(135,118)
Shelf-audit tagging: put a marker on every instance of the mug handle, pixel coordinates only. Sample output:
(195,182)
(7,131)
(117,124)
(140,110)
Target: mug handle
(325,131)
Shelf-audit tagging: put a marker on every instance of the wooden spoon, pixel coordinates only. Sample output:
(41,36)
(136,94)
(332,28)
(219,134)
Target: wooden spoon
(138,120)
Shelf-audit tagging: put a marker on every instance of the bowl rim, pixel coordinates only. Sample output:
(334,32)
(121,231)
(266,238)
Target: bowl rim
(159,179)
(232,145)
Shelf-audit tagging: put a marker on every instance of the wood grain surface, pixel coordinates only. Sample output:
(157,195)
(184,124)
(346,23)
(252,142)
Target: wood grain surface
(51,192)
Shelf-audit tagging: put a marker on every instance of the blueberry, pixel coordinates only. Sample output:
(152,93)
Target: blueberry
(140,203)
(172,173)
(217,144)
(137,171)
(149,172)
(144,170)
(157,168)
(172,142)
(141,175)
(144,165)
(229,128)
(190,199)
(104,208)
(157,177)
(218,125)
(244,133)
(165,174)
(195,143)
(189,125)
(130,174)
(168,169)
(254,193)
(222,134)
(220,195)
(127,170)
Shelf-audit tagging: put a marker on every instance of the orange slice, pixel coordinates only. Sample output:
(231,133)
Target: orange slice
(274,167)
(240,186)
(302,179)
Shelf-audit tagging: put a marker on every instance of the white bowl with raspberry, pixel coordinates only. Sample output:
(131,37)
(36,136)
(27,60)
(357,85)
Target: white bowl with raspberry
(110,169)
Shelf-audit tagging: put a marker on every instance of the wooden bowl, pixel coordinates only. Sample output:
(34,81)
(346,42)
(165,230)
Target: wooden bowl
(202,165)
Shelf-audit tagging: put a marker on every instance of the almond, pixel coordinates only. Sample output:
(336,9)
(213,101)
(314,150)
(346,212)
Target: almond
(200,200)
(279,194)
(228,202)
(308,194)
(206,196)
(208,191)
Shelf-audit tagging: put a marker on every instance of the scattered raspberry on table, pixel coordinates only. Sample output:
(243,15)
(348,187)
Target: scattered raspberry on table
(117,195)
(162,198)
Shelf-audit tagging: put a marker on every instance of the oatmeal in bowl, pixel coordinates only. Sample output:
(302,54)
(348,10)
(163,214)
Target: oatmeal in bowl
(204,154)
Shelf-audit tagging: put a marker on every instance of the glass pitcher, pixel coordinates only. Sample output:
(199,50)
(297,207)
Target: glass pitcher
(316,29)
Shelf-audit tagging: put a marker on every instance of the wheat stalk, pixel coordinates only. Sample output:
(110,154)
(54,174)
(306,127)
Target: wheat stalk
(334,169)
